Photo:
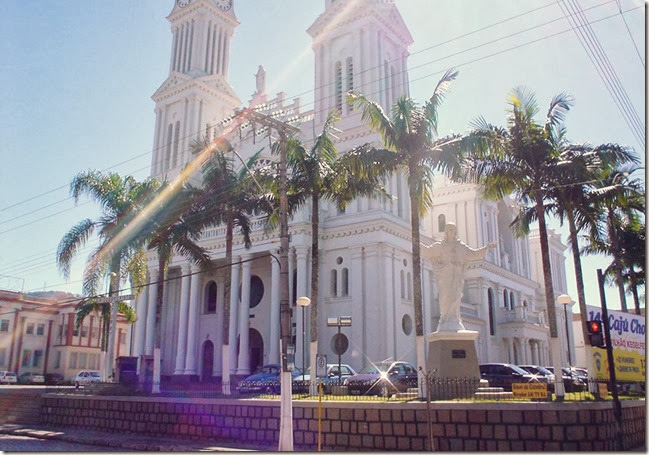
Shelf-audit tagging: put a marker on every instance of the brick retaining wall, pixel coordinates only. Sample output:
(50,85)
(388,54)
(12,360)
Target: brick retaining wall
(501,426)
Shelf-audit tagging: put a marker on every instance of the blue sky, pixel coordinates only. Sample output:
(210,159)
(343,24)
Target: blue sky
(77,78)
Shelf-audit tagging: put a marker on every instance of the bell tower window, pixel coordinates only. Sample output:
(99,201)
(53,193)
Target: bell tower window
(339,86)
(350,80)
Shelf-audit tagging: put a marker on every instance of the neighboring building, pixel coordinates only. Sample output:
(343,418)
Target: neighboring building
(366,261)
(38,335)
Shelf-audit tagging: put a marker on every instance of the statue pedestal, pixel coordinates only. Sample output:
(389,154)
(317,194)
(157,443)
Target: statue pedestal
(453,358)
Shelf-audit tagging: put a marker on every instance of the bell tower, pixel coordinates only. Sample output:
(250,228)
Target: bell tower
(196,94)
(362,46)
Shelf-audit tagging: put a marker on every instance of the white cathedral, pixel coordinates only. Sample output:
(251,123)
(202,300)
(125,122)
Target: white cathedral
(365,253)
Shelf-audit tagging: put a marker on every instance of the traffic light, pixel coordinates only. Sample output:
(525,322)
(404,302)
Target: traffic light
(596,334)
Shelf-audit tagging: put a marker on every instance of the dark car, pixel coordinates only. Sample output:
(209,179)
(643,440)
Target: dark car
(504,374)
(382,379)
(331,379)
(53,379)
(266,380)
(573,382)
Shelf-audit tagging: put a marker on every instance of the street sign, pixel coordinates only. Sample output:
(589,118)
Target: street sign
(117,297)
(321,366)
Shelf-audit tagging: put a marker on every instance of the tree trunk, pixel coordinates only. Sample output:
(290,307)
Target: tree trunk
(555,347)
(227,294)
(420,351)
(617,262)
(579,276)
(315,283)
(113,292)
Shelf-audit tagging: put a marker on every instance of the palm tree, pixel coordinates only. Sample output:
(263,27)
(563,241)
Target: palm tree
(121,200)
(176,227)
(91,305)
(229,197)
(521,159)
(574,174)
(412,146)
(632,241)
(618,202)
(316,174)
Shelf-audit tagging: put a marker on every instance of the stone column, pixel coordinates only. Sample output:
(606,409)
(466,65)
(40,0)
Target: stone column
(510,349)
(302,254)
(234,305)
(183,312)
(140,323)
(150,314)
(273,350)
(243,366)
(192,321)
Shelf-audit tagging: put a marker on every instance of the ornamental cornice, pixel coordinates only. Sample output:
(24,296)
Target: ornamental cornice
(496,270)
(387,14)
(178,83)
(193,9)
(366,228)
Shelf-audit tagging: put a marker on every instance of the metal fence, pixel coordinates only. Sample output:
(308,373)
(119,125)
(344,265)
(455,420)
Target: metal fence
(436,389)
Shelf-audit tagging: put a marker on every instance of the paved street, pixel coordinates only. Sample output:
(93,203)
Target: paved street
(14,443)
(39,439)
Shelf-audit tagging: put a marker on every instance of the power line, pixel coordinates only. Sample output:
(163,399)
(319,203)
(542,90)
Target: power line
(463,64)
(192,134)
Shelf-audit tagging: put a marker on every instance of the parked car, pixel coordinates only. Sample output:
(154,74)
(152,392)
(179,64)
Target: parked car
(331,379)
(572,382)
(31,378)
(53,378)
(266,380)
(382,379)
(505,374)
(8,377)
(85,378)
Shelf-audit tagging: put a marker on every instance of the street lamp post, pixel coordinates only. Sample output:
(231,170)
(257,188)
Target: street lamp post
(303,302)
(341,321)
(565,300)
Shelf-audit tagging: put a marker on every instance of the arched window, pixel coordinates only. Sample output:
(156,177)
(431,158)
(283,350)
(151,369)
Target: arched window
(334,283)
(210,297)
(345,282)
(506,299)
(492,318)
(512,302)
(339,86)
(403,284)
(441,223)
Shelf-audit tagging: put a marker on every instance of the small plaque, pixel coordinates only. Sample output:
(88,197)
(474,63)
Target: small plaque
(458,354)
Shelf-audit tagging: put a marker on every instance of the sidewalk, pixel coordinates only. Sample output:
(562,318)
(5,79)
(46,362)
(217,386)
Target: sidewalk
(125,441)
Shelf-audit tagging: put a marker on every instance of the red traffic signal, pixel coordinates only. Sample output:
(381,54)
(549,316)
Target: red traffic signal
(596,334)
(594,327)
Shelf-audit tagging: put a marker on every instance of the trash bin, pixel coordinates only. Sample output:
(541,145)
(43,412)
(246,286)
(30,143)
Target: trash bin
(126,370)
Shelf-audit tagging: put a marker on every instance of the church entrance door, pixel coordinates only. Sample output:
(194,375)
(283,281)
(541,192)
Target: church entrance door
(208,361)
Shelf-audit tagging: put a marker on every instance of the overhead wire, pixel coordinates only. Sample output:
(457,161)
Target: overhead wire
(423,77)
(600,61)
(310,91)
(502,51)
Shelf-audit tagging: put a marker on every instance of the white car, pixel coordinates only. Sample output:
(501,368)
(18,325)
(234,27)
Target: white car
(8,377)
(86,378)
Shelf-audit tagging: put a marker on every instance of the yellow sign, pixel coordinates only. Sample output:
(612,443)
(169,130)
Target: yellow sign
(530,390)
(629,365)
(602,388)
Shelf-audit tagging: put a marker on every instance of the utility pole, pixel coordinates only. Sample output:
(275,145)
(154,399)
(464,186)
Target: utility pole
(286,405)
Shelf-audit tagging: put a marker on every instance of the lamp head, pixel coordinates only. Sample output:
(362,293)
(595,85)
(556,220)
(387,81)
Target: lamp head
(303,301)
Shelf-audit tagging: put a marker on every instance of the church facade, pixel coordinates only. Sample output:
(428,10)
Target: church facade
(366,260)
